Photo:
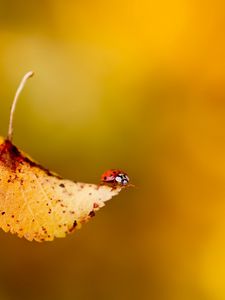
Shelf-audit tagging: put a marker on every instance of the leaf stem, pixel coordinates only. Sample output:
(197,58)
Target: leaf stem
(13,107)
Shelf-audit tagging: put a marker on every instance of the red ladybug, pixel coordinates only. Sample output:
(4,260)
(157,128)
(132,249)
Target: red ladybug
(115,176)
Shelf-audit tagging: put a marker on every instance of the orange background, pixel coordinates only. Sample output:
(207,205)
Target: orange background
(137,85)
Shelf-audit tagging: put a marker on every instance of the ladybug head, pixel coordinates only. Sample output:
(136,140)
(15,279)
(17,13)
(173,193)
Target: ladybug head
(122,179)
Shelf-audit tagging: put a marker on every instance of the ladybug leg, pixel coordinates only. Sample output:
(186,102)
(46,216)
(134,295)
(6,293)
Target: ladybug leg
(111,184)
(114,187)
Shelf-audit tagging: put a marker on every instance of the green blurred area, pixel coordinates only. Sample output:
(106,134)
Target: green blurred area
(135,85)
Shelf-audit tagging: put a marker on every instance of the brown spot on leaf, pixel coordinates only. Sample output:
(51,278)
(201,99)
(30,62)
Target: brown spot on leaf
(91,214)
(95,205)
(73,227)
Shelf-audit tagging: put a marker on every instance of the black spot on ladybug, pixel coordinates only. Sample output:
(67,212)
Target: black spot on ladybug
(105,177)
(3,212)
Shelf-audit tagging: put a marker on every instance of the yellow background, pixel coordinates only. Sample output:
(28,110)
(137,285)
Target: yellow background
(137,85)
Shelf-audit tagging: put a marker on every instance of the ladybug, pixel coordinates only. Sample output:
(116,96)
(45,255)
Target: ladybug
(115,177)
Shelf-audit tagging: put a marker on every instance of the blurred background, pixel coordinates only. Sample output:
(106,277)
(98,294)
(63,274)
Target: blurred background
(137,85)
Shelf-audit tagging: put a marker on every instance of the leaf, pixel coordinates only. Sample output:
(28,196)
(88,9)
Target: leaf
(39,205)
